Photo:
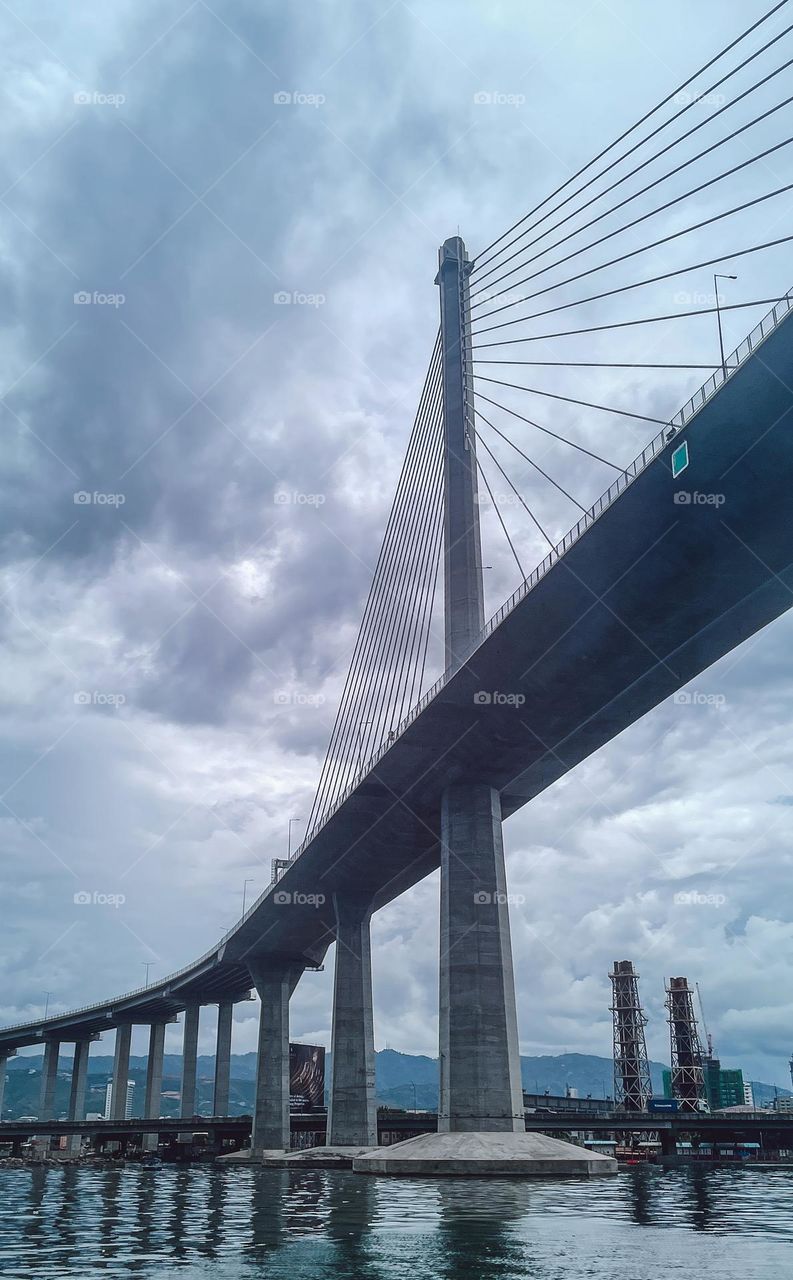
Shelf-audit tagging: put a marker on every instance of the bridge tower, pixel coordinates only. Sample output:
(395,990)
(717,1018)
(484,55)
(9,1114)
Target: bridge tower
(688,1077)
(632,1087)
(480,1086)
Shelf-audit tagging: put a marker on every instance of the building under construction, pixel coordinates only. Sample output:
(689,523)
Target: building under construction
(632,1087)
(688,1076)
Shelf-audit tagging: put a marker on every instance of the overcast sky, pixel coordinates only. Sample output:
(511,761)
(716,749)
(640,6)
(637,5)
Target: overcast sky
(155,636)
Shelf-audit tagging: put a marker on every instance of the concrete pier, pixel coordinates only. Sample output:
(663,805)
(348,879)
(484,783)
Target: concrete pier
(220,1096)
(275,984)
(153,1098)
(192,1015)
(49,1078)
(82,1048)
(352,1107)
(118,1099)
(480,1062)
(4,1056)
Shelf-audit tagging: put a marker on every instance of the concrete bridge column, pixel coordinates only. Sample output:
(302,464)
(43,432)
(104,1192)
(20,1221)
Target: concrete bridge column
(352,1110)
(49,1079)
(479,1056)
(4,1056)
(118,1100)
(275,983)
(192,1014)
(82,1048)
(154,1061)
(220,1096)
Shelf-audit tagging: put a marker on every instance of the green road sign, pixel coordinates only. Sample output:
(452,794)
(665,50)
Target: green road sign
(679,459)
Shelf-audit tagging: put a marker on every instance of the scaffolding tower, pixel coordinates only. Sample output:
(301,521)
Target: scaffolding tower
(688,1076)
(632,1087)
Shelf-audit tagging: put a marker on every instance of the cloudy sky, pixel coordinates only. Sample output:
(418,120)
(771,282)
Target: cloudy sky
(173,645)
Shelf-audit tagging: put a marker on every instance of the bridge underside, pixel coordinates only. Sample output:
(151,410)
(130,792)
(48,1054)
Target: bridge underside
(651,595)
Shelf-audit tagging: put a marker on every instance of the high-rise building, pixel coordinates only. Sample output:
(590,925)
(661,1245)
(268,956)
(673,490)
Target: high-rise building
(748,1094)
(108,1115)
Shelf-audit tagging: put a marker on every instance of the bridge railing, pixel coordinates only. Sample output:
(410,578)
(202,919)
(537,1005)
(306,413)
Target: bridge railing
(701,397)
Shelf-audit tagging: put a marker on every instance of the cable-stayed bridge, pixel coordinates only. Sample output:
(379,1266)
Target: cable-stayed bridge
(688,552)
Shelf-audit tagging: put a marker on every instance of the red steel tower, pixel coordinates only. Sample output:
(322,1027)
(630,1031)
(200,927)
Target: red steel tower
(632,1087)
(688,1077)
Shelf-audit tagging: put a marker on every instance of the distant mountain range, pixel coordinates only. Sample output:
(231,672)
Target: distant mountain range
(402,1080)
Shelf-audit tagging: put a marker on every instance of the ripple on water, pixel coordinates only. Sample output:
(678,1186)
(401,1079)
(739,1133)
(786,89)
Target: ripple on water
(232,1224)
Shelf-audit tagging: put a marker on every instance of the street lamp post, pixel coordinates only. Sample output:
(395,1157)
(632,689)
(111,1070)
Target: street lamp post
(292,821)
(245,884)
(47,995)
(147,965)
(716,277)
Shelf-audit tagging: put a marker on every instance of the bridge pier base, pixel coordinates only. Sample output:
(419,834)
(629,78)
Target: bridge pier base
(479,1057)
(352,1109)
(49,1079)
(275,984)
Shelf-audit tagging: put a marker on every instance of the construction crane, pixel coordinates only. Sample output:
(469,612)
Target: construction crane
(708,1036)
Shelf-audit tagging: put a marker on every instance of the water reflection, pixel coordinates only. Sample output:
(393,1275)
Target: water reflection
(202,1222)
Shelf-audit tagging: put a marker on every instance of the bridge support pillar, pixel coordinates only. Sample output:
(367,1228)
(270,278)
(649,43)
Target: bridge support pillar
(479,1056)
(352,1109)
(49,1079)
(4,1056)
(118,1097)
(275,984)
(192,1014)
(82,1048)
(153,1098)
(220,1096)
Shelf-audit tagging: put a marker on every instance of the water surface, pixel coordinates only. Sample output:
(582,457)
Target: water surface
(199,1221)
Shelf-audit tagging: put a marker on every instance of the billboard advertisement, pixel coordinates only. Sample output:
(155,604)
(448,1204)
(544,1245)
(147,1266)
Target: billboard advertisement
(306,1077)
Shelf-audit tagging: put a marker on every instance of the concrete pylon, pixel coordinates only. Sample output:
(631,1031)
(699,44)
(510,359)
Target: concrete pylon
(220,1095)
(49,1079)
(352,1107)
(192,1015)
(4,1056)
(480,1064)
(118,1097)
(274,983)
(480,1087)
(154,1064)
(464,608)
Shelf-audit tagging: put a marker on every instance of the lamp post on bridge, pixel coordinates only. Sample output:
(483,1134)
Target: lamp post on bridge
(719,276)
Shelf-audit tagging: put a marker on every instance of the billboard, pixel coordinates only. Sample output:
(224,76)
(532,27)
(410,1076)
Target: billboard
(306,1077)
